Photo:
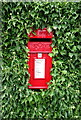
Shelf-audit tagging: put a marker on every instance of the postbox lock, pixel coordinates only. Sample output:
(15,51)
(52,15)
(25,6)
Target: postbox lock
(39,55)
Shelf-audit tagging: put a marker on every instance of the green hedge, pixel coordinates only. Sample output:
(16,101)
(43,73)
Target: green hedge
(62,98)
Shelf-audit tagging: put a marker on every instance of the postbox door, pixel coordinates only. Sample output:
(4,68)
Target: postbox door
(39,68)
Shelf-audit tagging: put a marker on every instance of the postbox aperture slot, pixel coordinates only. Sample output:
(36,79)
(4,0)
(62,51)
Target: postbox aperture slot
(39,39)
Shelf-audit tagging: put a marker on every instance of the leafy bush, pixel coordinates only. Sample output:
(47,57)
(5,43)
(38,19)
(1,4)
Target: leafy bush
(62,98)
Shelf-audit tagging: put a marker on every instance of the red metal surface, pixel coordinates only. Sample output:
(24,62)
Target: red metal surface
(35,47)
(40,33)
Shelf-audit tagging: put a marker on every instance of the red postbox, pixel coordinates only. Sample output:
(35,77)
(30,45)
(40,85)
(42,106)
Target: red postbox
(40,62)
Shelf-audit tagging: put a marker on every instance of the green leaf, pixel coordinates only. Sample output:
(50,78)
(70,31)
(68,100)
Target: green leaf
(51,54)
(63,78)
(49,29)
(71,55)
(64,71)
(22,114)
(74,48)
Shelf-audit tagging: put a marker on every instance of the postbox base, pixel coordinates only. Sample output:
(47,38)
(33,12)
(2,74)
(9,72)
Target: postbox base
(37,87)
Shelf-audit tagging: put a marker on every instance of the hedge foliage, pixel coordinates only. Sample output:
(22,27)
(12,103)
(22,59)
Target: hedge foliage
(62,98)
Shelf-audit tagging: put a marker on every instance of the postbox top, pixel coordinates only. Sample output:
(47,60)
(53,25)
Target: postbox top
(40,33)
